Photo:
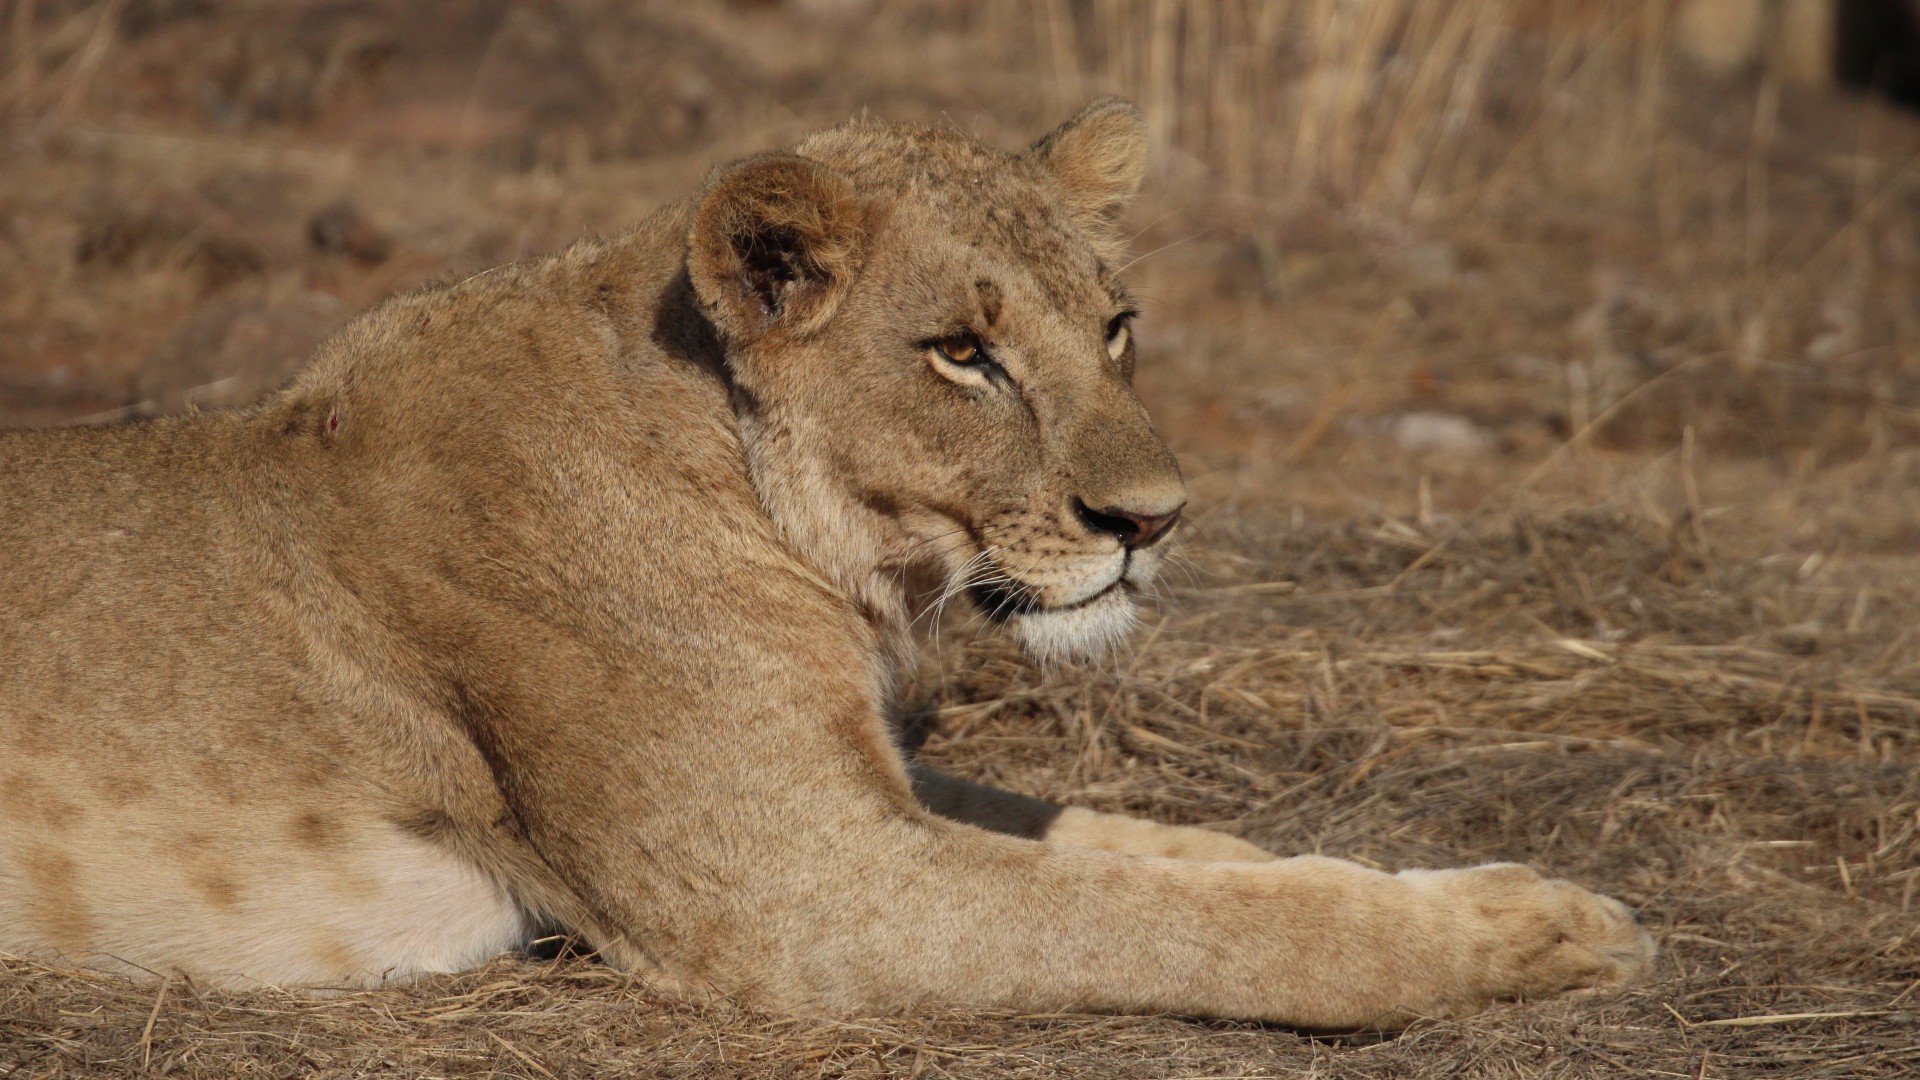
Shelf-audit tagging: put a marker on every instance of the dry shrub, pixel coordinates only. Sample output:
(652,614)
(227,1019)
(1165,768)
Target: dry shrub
(1392,106)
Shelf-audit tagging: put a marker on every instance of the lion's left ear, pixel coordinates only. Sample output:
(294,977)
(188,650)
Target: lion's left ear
(1096,160)
(775,243)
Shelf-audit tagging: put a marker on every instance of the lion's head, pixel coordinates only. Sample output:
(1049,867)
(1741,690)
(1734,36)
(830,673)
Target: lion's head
(933,360)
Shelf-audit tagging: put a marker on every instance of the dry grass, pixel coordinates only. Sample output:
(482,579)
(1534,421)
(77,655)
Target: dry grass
(1553,416)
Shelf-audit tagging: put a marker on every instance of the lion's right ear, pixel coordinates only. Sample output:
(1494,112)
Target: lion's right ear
(774,246)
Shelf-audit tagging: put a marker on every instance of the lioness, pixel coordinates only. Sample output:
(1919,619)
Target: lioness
(569,597)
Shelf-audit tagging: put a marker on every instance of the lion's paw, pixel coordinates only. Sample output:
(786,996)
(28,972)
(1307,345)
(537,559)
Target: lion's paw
(1522,935)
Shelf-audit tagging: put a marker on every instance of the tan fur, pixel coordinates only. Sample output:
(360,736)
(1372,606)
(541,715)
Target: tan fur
(1095,831)
(569,596)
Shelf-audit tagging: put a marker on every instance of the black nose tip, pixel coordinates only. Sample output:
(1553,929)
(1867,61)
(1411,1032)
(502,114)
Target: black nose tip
(1131,527)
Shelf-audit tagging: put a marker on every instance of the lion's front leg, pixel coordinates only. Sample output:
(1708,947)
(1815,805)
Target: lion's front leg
(759,834)
(873,904)
(1073,826)
(898,913)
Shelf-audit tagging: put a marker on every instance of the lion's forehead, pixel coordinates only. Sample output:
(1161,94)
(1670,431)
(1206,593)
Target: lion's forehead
(945,183)
(1013,265)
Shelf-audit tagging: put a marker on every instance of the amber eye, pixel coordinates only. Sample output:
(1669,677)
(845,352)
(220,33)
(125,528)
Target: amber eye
(963,348)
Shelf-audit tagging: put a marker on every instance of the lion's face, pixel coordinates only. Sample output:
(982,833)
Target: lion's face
(929,337)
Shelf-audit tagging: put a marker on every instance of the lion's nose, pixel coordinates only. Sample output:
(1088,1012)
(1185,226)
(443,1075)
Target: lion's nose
(1133,528)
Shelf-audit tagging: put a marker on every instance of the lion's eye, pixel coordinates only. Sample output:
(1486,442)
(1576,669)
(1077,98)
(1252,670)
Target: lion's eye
(962,348)
(1119,333)
(963,358)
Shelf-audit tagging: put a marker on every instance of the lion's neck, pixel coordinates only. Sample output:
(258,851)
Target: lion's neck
(828,527)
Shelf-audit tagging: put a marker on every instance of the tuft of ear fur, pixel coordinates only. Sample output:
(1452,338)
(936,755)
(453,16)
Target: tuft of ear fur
(1096,160)
(774,246)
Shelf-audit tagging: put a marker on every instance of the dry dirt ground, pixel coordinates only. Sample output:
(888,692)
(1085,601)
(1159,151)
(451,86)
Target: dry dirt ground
(1553,416)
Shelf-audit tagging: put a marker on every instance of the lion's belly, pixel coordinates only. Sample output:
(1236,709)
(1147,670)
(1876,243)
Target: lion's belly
(171,798)
(243,896)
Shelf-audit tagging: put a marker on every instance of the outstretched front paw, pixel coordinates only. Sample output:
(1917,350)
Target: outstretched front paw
(1522,935)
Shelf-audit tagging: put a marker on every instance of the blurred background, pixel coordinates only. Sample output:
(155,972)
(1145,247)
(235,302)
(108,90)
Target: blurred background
(1489,230)
(1547,373)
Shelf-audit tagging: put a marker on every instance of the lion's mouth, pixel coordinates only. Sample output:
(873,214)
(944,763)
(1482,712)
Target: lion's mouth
(1005,599)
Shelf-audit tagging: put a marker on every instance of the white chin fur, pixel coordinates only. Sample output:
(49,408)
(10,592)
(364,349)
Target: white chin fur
(1083,633)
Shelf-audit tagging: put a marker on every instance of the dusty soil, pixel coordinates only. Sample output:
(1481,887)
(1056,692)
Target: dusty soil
(1553,416)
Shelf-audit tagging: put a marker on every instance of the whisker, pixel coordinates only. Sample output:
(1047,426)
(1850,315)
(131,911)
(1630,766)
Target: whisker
(1138,259)
(963,579)
(978,569)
